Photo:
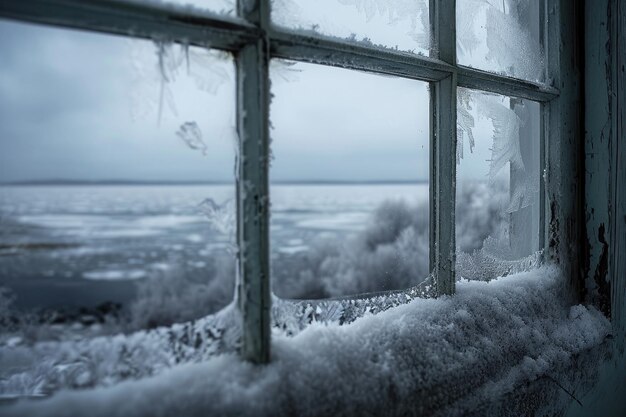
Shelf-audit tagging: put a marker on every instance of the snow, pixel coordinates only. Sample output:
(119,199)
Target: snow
(441,355)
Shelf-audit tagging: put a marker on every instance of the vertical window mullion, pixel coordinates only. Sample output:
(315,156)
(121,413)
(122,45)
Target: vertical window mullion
(253,286)
(443,148)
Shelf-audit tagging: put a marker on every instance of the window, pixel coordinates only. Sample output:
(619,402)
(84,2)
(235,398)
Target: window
(458,93)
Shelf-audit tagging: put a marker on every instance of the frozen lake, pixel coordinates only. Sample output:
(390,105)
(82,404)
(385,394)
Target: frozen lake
(83,245)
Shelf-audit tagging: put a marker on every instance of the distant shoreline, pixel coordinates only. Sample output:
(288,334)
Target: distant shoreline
(169,183)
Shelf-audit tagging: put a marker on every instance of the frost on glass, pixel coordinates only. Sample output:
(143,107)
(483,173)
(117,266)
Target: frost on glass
(498,185)
(223,7)
(395,24)
(116,205)
(349,182)
(502,36)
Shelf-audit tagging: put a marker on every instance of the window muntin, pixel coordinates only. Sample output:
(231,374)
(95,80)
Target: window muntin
(400,25)
(253,54)
(349,182)
(111,156)
(502,36)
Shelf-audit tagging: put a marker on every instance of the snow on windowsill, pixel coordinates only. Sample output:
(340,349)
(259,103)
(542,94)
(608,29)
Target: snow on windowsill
(483,343)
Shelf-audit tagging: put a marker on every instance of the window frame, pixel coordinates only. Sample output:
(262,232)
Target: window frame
(254,42)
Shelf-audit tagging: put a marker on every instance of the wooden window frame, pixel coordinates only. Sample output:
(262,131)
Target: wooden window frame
(254,41)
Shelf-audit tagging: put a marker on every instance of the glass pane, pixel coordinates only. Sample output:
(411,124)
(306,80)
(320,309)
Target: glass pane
(220,6)
(498,183)
(502,36)
(396,24)
(349,181)
(116,171)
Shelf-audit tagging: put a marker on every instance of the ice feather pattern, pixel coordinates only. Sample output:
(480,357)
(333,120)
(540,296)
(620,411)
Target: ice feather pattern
(220,216)
(465,125)
(171,61)
(499,32)
(506,147)
(397,10)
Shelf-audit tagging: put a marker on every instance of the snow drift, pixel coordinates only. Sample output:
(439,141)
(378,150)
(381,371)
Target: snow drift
(431,356)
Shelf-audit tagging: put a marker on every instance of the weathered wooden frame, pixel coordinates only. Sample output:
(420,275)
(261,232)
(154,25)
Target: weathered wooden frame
(253,41)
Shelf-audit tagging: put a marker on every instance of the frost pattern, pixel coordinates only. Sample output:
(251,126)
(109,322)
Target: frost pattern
(382,17)
(486,263)
(503,43)
(396,10)
(284,70)
(505,141)
(191,135)
(512,186)
(107,360)
(220,216)
(465,122)
(153,78)
(293,316)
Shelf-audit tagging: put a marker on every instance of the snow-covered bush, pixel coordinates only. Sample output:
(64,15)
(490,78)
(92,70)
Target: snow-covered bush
(173,296)
(392,252)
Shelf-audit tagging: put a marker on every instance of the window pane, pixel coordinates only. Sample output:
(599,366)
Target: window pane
(396,24)
(502,36)
(219,6)
(349,181)
(498,183)
(116,170)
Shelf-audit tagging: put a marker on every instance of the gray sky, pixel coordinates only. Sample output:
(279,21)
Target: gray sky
(78,105)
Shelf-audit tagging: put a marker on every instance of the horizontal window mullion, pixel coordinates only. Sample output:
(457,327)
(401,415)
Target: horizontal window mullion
(337,52)
(500,84)
(143,20)
(358,56)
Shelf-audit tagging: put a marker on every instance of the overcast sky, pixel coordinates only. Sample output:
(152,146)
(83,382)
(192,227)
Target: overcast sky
(77,105)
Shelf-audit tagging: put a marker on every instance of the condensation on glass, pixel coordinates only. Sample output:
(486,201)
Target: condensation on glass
(502,36)
(395,24)
(116,202)
(349,181)
(498,183)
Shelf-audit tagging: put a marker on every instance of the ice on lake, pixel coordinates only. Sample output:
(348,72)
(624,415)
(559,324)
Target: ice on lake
(84,245)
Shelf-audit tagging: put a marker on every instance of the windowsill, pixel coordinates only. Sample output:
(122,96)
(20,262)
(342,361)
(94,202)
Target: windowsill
(479,345)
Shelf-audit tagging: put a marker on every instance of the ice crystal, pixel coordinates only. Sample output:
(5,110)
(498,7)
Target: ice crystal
(220,216)
(191,135)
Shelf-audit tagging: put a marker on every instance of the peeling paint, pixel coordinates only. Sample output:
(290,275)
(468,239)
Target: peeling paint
(601,275)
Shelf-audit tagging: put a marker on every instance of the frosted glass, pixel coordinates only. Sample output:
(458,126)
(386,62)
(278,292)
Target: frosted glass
(498,183)
(501,36)
(395,24)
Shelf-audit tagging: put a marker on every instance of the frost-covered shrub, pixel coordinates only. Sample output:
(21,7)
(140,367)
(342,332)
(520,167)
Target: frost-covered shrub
(392,252)
(173,296)
(480,208)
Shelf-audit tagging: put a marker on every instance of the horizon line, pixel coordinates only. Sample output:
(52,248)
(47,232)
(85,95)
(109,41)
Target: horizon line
(204,182)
